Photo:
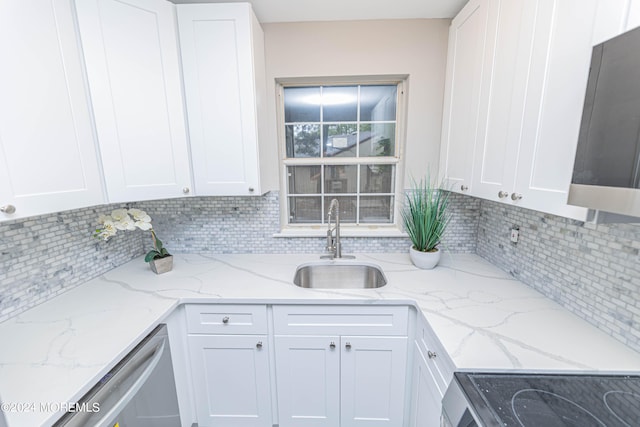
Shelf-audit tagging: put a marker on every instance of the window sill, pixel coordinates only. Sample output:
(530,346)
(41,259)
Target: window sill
(345,231)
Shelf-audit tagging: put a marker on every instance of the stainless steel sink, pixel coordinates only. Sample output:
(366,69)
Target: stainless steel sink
(339,275)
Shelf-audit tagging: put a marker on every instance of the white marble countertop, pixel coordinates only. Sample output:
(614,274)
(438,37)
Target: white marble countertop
(56,351)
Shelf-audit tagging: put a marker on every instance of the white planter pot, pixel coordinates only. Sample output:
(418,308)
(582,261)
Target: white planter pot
(424,260)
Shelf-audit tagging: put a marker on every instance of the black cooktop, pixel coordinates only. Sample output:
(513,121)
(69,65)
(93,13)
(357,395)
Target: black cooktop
(551,400)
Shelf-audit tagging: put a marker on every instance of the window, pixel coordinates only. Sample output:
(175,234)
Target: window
(341,142)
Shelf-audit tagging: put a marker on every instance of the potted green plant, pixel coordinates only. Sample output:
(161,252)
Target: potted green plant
(425,217)
(159,259)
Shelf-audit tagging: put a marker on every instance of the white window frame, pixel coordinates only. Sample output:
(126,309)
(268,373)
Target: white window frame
(392,229)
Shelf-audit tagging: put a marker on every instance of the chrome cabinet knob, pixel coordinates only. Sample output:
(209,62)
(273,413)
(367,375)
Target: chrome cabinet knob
(348,346)
(186,190)
(431,354)
(332,345)
(225,319)
(259,345)
(516,196)
(502,194)
(464,187)
(8,209)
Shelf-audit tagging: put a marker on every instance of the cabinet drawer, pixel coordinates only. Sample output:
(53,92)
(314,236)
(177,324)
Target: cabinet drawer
(226,319)
(438,360)
(340,320)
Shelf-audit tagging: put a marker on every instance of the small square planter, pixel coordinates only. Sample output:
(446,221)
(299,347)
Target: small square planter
(161,265)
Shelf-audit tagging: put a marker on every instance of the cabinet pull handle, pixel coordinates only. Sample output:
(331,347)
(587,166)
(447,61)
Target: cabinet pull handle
(332,345)
(259,345)
(8,209)
(516,196)
(186,190)
(225,319)
(464,187)
(348,346)
(431,354)
(502,194)
(251,189)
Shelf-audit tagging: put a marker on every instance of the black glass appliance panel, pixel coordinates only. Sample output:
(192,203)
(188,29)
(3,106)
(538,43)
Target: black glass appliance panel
(550,400)
(608,152)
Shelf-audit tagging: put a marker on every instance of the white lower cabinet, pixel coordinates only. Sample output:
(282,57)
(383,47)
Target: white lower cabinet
(312,366)
(340,381)
(340,365)
(230,365)
(426,401)
(231,380)
(432,373)
(308,380)
(373,372)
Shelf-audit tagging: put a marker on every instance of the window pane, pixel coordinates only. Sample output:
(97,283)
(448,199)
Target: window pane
(340,140)
(304,210)
(340,104)
(301,104)
(347,207)
(304,179)
(378,103)
(376,209)
(377,139)
(376,178)
(303,140)
(340,179)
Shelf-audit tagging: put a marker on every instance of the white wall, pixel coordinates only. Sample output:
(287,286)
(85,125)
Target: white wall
(416,47)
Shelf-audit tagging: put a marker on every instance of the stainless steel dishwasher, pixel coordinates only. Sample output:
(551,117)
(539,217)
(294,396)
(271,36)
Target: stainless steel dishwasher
(140,391)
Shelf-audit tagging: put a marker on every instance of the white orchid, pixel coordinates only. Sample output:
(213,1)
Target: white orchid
(139,215)
(123,219)
(143,225)
(125,223)
(119,214)
(103,219)
(107,231)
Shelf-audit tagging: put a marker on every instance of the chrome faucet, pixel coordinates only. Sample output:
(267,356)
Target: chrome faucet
(334,247)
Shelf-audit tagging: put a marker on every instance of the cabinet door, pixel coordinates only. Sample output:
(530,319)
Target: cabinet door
(231,380)
(373,372)
(467,38)
(48,156)
(426,399)
(503,94)
(559,66)
(633,19)
(132,61)
(221,46)
(308,380)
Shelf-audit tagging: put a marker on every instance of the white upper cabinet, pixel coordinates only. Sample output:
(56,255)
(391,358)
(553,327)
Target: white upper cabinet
(48,159)
(559,59)
(467,38)
(222,49)
(132,59)
(633,20)
(521,125)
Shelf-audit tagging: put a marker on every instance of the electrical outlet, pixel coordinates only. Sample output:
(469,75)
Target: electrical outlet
(515,234)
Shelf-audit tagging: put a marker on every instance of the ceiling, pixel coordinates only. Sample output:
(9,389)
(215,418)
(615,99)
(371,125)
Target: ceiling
(346,10)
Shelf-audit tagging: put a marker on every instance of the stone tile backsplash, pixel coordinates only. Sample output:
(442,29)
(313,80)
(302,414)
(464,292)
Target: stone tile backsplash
(591,270)
(248,224)
(46,255)
(594,271)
